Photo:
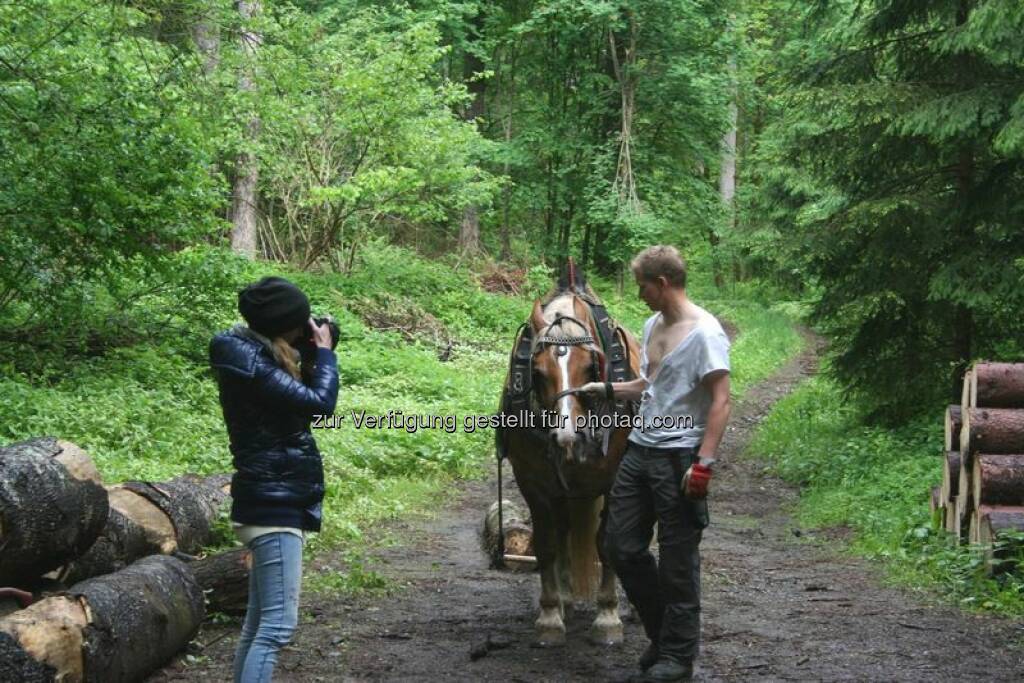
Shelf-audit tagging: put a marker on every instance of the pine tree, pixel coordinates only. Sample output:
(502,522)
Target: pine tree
(895,176)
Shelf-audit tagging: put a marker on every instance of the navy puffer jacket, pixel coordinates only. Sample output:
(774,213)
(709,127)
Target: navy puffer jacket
(279,477)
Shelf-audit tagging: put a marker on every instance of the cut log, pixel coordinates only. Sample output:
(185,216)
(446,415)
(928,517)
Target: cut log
(114,628)
(516,527)
(44,642)
(950,516)
(937,507)
(224,578)
(950,477)
(138,526)
(190,502)
(965,393)
(964,489)
(962,518)
(994,521)
(998,479)
(139,617)
(952,427)
(52,507)
(997,385)
(991,430)
(957,507)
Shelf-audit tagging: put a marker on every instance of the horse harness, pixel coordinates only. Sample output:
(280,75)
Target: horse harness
(611,340)
(518,394)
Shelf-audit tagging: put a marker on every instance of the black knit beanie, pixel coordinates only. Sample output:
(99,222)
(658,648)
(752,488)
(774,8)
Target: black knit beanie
(273,306)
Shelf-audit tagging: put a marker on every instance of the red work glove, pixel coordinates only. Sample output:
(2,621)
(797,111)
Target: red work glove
(696,481)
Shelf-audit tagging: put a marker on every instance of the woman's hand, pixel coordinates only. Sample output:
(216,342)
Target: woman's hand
(321,335)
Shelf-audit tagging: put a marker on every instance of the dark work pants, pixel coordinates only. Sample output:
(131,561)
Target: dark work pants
(666,594)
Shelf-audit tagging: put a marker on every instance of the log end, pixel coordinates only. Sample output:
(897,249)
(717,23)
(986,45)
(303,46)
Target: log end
(50,633)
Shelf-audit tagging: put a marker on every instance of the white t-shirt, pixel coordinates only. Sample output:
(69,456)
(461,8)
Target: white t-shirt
(674,407)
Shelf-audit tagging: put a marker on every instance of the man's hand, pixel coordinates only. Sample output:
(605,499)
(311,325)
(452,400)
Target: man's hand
(696,481)
(596,390)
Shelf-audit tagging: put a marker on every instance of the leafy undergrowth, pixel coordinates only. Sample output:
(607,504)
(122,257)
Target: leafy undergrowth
(877,482)
(130,383)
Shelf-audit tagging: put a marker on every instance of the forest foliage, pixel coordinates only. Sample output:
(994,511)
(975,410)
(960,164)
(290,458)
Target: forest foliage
(877,153)
(885,182)
(374,150)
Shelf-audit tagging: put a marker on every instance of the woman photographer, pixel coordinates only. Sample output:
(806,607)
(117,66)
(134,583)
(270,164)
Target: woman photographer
(278,482)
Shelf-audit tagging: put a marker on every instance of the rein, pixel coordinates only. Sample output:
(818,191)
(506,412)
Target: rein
(567,392)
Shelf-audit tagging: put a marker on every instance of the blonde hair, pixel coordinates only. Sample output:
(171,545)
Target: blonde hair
(661,260)
(285,355)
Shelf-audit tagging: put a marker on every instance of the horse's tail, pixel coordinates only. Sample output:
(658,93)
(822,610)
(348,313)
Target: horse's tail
(584,520)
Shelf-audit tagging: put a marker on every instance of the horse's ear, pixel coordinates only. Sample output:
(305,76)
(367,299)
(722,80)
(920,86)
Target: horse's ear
(537,320)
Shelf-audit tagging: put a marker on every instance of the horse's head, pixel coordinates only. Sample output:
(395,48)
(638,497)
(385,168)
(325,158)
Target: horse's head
(565,357)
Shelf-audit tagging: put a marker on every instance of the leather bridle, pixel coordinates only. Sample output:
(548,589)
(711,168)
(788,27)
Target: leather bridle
(545,339)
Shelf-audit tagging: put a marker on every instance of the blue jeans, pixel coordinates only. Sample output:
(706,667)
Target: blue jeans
(273,610)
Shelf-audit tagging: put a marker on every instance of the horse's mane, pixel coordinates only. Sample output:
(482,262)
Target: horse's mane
(560,290)
(571,281)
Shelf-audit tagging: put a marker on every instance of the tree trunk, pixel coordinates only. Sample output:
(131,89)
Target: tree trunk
(991,430)
(727,174)
(953,423)
(149,518)
(110,629)
(52,507)
(473,67)
(998,479)
(206,36)
(224,578)
(515,527)
(624,185)
(469,231)
(506,211)
(244,200)
(996,385)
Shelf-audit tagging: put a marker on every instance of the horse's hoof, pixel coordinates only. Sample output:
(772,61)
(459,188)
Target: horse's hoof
(550,628)
(606,632)
(547,637)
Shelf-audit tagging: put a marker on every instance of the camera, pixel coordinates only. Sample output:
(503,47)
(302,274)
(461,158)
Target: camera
(331,325)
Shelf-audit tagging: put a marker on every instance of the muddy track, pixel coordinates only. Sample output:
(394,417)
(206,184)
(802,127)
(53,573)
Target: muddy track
(776,606)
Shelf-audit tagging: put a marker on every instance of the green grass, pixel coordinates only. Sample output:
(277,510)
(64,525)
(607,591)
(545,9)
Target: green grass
(145,404)
(877,482)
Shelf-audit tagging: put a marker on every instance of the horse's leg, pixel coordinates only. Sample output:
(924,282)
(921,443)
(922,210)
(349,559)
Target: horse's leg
(549,624)
(562,562)
(607,627)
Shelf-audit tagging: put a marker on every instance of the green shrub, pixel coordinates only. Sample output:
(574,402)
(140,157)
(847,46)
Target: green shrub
(877,482)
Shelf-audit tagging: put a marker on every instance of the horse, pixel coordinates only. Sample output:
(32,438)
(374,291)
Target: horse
(563,465)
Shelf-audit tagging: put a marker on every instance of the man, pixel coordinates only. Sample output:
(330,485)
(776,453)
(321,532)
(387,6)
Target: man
(683,390)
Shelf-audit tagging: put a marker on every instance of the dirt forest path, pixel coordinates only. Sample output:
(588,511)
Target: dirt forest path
(776,607)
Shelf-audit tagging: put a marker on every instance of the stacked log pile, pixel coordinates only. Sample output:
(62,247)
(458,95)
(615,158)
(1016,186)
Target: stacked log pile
(981,498)
(133,602)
